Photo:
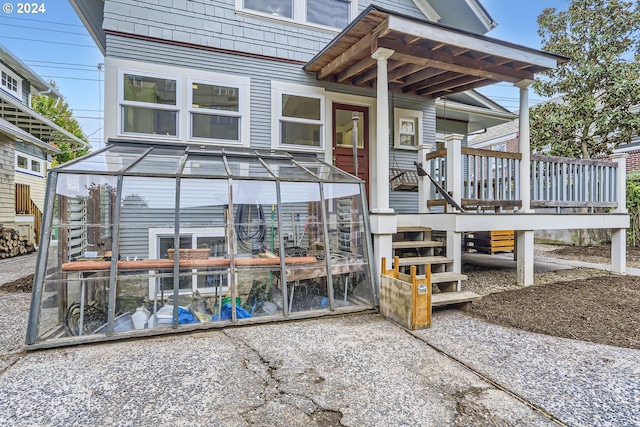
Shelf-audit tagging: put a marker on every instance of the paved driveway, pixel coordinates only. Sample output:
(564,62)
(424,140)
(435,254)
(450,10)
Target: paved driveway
(359,370)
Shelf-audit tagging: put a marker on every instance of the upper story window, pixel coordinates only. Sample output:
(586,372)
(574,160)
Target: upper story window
(215,111)
(29,164)
(149,105)
(299,114)
(183,105)
(11,82)
(325,13)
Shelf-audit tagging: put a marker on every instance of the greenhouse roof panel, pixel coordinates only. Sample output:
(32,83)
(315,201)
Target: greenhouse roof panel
(136,158)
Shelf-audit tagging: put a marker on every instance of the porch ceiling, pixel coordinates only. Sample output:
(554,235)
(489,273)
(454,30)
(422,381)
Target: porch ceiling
(21,116)
(429,60)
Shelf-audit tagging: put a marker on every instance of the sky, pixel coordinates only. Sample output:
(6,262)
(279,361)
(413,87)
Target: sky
(55,44)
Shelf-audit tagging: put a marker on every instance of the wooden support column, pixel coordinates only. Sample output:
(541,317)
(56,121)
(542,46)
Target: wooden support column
(380,199)
(524,146)
(524,257)
(453,143)
(619,235)
(382,218)
(425,188)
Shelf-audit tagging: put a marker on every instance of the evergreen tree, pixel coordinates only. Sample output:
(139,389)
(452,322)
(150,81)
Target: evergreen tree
(599,86)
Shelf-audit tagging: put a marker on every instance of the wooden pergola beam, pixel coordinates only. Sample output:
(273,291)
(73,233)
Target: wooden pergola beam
(354,51)
(448,62)
(449,85)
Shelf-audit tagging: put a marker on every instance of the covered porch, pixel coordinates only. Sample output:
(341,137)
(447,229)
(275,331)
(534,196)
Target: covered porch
(396,54)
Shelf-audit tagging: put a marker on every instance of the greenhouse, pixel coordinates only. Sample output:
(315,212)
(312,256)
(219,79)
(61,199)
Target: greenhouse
(143,239)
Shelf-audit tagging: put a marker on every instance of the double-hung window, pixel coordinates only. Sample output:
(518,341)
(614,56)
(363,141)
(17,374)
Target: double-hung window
(149,105)
(325,13)
(300,117)
(407,124)
(215,111)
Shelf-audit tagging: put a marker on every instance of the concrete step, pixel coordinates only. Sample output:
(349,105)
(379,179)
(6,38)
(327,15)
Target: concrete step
(450,298)
(411,244)
(422,260)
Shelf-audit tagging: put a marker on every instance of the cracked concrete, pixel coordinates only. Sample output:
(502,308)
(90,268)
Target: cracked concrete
(356,370)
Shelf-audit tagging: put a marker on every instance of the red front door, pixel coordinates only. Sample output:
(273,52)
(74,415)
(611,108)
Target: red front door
(343,140)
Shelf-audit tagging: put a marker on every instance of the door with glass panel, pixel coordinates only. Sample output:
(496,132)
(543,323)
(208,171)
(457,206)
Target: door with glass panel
(345,156)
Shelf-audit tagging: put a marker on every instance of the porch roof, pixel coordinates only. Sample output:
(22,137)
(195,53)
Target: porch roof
(429,60)
(40,127)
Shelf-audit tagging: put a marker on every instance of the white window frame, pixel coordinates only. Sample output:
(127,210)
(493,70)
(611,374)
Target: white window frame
(18,92)
(299,14)
(125,103)
(401,114)
(114,77)
(281,88)
(242,107)
(194,233)
(31,159)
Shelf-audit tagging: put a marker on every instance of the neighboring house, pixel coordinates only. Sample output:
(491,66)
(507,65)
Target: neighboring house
(27,142)
(223,90)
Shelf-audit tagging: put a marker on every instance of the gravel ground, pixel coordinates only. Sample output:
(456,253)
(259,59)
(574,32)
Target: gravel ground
(580,383)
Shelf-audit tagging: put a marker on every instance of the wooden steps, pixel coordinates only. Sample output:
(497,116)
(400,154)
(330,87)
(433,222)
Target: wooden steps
(422,260)
(415,244)
(447,276)
(411,229)
(451,298)
(416,248)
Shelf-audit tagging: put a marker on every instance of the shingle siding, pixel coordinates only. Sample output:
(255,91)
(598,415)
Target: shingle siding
(217,24)
(7,181)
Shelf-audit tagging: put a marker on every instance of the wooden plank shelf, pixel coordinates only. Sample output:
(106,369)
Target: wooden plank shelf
(414,244)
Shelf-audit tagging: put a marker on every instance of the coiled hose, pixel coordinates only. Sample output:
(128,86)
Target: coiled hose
(250,230)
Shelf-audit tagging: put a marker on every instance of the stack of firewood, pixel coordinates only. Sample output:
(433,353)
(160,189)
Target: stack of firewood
(11,244)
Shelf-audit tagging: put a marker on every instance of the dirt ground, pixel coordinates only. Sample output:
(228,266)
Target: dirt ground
(23,285)
(598,307)
(603,308)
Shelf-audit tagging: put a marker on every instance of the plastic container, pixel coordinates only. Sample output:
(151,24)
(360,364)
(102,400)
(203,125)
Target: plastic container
(140,318)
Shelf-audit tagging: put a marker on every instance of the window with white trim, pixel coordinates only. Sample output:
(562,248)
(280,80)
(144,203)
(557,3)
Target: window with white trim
(11,82)
(215,111)
(162,239)
(299,116)
(334,14)
(149,104)
(408,126)
(29,164)
(181,104)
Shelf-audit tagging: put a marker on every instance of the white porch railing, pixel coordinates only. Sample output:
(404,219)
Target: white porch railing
(491,179)
(563,182)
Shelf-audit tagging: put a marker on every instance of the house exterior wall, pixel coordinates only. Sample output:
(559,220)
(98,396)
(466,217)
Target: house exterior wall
(37,187)
(217,24)
(130,54)
(25,86)
(633,161)
(209,38)
(7,182)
